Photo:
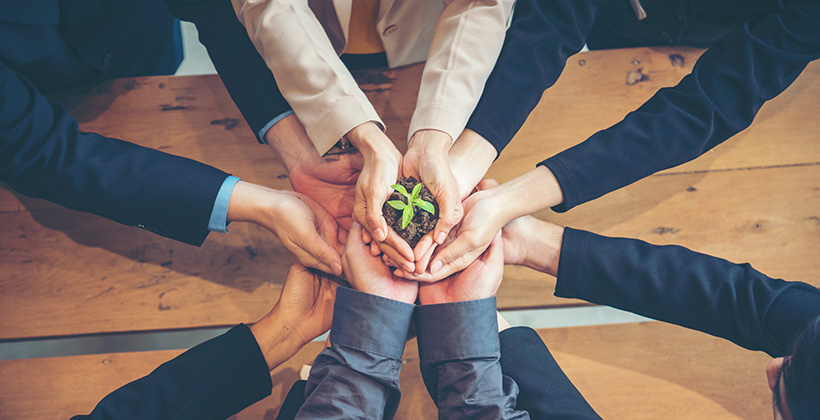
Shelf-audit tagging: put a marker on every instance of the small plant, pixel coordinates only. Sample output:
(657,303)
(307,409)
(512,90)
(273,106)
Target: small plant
(413,199)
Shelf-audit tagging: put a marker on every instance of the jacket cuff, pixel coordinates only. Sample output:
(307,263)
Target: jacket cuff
(440,118)
(370,323)
(340,117)
(562,175)
(457,331)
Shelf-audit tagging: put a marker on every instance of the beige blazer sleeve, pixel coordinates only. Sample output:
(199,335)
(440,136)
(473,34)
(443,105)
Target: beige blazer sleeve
(465,47)
(307,69)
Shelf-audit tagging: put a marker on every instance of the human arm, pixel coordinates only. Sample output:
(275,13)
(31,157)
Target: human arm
(222,376)
(459,345)
(43,154)
(357,376)
(544,391)
(722,95)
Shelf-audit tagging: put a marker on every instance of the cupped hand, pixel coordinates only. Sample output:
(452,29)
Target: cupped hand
(367,273)
(427,160)
(306,302)
(479,280)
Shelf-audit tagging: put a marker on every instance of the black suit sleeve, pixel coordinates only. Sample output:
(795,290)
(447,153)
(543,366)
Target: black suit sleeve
(543,34)
(43,154)
(683,287)
(544,391)
(722,95)
(245,75)
(213,380)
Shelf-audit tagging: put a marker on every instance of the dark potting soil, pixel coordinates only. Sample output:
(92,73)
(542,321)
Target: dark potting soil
(422,221)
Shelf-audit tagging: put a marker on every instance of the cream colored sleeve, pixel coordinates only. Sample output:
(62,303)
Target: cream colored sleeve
(465,47)
(308,71)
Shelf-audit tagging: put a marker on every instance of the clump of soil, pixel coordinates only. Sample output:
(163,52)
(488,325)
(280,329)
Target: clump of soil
(422,221)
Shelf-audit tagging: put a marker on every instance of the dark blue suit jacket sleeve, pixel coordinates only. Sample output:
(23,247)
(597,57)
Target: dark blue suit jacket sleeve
(543,34)
(43,154)
(245,75)
(722,95)
(213,380)
(686,288)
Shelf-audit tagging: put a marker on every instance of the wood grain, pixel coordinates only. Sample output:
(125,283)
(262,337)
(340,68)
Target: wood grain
(754,198)
(630,371)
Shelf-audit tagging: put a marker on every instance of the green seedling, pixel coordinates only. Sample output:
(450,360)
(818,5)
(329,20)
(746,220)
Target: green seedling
(413,200)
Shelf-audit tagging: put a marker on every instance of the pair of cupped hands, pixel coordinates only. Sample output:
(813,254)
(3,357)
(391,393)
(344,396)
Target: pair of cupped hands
(333,191)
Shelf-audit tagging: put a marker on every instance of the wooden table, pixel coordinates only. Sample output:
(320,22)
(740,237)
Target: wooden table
(63,273)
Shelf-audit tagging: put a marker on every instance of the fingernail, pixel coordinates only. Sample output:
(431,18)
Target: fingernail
(337,268)
(441,237)
(436,266)
(379,233)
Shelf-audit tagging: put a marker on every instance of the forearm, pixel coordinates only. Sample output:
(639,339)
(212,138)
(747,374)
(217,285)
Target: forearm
(733,301)
(43,154)
(241,68)
(464,48)
(459,355)
(721,97)
(542,36)
(533,191)
(215,379)
(362,364)
(470,159)
(307,69)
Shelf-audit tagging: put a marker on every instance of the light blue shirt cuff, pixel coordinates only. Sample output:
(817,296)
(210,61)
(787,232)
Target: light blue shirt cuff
(266,127)
(219,215)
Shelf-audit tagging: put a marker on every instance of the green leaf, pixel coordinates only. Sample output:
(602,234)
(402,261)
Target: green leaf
(400,189)
(396,204)
(425,205)
(416,190)
(406,216)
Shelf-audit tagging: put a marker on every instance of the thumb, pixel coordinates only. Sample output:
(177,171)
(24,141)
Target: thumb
(322,256)
(486,184)
(456,255)
(450,213)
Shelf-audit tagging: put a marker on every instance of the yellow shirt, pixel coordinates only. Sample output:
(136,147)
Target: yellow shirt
(362,35)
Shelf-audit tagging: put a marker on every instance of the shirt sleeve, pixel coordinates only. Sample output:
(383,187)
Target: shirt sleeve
(459,351)
(543,34)
(309,73)
(43,154)
(464,48)
(219,215)
(722,95)
(215,379)
(358,375)
(686,288)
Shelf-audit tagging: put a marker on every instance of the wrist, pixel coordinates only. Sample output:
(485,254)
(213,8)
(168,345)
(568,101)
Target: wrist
(429,141)
(470,158)
(254,204)
(368,139)
(278,339)
(544,251)
(290,142)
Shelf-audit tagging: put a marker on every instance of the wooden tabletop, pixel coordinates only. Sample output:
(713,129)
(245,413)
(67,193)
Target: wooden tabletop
(622,370)
(755,198)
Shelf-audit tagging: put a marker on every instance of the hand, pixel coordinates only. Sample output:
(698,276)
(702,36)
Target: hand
(304,311)
(303,226)
(368,274)
(484,217)
(381,170)
(427,161)
(479,280)
(329,180)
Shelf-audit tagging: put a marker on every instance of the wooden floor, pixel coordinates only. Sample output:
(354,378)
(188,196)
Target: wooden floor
(756,198)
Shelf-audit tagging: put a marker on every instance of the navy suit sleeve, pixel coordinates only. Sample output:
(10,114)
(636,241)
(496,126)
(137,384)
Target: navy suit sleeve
(683,287)
(722,95)
(43,154)
(213,380)
(543,34)
(544,390)
(245,75)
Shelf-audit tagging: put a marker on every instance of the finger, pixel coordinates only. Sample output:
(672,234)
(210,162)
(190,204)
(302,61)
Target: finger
(374,220)
(421,264)
(403,254)
(460,253)
(450,213)
(366,238)
(495,252)
(423,247)
(396,256)
(374,248)
(324,256)
(342,236)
